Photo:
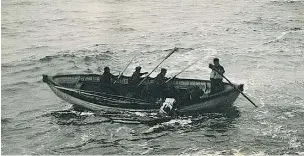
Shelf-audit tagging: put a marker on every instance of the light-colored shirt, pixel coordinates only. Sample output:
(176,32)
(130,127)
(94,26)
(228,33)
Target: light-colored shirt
(216,75)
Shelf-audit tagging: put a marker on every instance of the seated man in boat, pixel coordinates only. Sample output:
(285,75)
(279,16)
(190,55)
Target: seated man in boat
(160,82)
(136,76)
(106,80)
(107,77)
(216,78)
(134,80)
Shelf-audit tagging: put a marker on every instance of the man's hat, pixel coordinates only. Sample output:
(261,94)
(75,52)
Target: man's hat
(216,59)
(106,68)
(137,68)
(163,70)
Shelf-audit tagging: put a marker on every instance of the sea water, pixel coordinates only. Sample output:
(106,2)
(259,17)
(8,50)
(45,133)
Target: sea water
(259,42)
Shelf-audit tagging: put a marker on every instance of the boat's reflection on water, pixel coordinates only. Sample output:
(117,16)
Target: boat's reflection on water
(211,121)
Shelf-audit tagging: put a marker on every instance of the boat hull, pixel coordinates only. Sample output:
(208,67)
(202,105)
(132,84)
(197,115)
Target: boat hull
(90,105)
(216,104)
(106,102)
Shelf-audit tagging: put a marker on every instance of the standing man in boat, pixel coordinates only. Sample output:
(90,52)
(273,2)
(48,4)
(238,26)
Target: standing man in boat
(160,82)
(136,76)
(215,77)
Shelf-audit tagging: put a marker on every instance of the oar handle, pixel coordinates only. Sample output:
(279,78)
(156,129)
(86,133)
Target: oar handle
(234,86)
(170,79)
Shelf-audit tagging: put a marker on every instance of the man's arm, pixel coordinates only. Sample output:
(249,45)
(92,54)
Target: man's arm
(114,77)
(141,74)
(223,70)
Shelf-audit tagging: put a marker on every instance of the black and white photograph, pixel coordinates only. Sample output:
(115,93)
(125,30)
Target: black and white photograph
(152,77)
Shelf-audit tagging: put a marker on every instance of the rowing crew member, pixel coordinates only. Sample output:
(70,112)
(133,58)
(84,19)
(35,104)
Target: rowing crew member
(216,78)
(136,76)
(107,77)
(160,81)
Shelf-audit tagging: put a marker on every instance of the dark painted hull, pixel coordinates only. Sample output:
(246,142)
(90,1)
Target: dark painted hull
(90,97)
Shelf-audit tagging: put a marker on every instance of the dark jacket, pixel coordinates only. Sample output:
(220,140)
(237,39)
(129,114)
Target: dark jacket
(160,79)
(136,77)
(107,78)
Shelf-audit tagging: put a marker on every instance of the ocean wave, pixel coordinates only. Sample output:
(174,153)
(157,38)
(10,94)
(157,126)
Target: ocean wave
(20,3)
(88,70)
(34,69)
(50,58)
(76,116)
(296,29)
(16,64)
(71,117)
(100,44)
(17,128)
(86,56)
(293,34)
(3,28)
(78,57)
(29,112)
(96,143)
(59,19)
(281,2)
(36,47)
(88,59)
(8,92)
(6,120)
(122,29)
(15,88)
(20,83)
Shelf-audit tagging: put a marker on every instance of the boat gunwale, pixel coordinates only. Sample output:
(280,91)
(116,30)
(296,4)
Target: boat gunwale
(123,76)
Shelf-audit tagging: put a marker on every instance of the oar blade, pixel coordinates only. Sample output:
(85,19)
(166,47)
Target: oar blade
(174,50)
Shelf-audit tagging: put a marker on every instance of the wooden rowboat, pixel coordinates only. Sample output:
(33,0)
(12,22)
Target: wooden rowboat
(86,91)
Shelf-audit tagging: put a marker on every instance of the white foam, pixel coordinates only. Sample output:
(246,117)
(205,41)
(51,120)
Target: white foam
(294,143)
(140,113)
(179,121)
(86,113)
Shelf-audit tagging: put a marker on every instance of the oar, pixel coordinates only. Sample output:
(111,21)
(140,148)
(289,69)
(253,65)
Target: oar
(174,50)
(125,68)
(233,85)
(182,71)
